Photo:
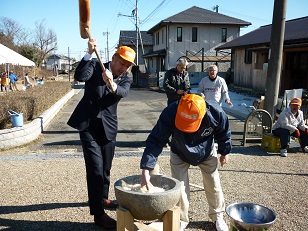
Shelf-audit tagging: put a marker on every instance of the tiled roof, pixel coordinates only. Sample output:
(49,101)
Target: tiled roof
(128,38)
(161,52)
(54,56)
(197,15)
(296,30)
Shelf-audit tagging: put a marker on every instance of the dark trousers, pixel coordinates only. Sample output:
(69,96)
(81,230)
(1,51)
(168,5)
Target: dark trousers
(284,135)
(98,155)
(170,101)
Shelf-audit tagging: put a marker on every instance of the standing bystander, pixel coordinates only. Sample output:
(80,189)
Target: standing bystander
(176,81)
(214,87)
(27,82)
(5,81)
(13,79)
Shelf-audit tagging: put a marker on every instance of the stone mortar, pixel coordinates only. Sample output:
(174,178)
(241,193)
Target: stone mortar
(148,206)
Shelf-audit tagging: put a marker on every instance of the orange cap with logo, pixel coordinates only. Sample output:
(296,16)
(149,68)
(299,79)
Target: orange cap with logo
(296,101)
(127,53)
(190,112)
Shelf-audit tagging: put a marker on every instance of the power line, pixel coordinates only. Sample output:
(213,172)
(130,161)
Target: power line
(262,20)
(154,12)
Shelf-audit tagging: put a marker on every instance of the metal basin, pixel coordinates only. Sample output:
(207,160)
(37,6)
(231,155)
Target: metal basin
(250,216)
(148,206)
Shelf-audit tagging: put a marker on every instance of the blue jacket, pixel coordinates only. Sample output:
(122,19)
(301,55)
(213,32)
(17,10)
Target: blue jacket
(193,148)
(13,78)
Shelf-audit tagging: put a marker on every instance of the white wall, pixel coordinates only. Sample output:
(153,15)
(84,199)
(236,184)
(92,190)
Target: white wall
(62,64)
(209,37)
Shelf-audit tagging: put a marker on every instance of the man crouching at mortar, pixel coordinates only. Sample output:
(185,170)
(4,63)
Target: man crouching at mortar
(193,124)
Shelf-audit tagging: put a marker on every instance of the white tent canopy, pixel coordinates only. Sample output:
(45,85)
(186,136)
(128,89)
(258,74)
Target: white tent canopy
(9,56)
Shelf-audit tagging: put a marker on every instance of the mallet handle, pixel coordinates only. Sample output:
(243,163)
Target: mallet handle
(100,61)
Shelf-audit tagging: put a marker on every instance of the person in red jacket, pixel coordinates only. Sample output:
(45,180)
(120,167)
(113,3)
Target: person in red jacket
(5,81)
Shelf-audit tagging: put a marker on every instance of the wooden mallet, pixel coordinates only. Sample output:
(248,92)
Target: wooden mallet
(84,16)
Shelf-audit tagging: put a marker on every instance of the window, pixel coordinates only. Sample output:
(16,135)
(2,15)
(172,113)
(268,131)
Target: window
(157,38)
(162,37)
(261,58)
(248,56)
(194,33)
(179,34)
(224,35)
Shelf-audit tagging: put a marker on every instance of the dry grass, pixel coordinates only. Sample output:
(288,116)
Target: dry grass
(32,102)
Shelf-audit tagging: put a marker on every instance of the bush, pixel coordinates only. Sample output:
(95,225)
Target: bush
(32,102)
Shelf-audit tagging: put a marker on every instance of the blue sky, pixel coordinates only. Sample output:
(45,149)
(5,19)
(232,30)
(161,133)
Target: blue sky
(62,16)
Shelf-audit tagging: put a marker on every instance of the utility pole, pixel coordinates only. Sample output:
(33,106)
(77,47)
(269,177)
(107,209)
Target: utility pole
(106,33)
(69,65)
(55,66)
(134,15)
(137,32)
(275,57)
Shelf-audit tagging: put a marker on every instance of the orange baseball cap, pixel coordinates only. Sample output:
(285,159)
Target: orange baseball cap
(296,101)
(190,112)
(127,53)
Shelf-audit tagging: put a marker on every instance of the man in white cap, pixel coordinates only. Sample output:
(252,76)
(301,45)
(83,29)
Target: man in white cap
(291,123)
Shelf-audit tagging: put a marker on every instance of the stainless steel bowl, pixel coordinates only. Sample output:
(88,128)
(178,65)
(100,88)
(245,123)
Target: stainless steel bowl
(250,217)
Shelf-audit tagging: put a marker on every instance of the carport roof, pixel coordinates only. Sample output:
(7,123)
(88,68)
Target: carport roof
(160,53)
(209,58)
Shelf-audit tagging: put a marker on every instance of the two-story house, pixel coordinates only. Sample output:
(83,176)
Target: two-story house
(61,62)
(145,44)
(193,33)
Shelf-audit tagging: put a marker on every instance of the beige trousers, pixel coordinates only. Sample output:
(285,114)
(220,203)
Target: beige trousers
(211,183)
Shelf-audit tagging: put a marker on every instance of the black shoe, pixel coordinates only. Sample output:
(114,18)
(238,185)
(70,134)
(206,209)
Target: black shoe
(110,204)
(105,222)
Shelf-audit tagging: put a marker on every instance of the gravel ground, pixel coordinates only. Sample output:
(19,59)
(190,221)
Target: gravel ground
(43,185)
(49,193)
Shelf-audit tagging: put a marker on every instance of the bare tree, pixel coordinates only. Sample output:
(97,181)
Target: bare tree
(11,33)
(35,47)
(45,41)
(13,36)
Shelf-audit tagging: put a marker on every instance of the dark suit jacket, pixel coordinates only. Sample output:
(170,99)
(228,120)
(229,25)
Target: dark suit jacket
(98,98)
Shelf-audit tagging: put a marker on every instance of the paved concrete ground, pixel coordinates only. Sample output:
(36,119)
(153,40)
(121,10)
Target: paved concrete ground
(137,115)
(43,186)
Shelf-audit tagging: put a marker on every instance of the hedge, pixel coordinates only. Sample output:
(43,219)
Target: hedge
(32,102)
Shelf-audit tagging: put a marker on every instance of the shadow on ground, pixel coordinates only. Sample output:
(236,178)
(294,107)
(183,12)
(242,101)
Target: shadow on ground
(19,225)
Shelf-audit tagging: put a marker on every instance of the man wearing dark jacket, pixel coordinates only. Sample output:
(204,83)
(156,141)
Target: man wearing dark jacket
(176,81)
(193,123)
(95,117)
